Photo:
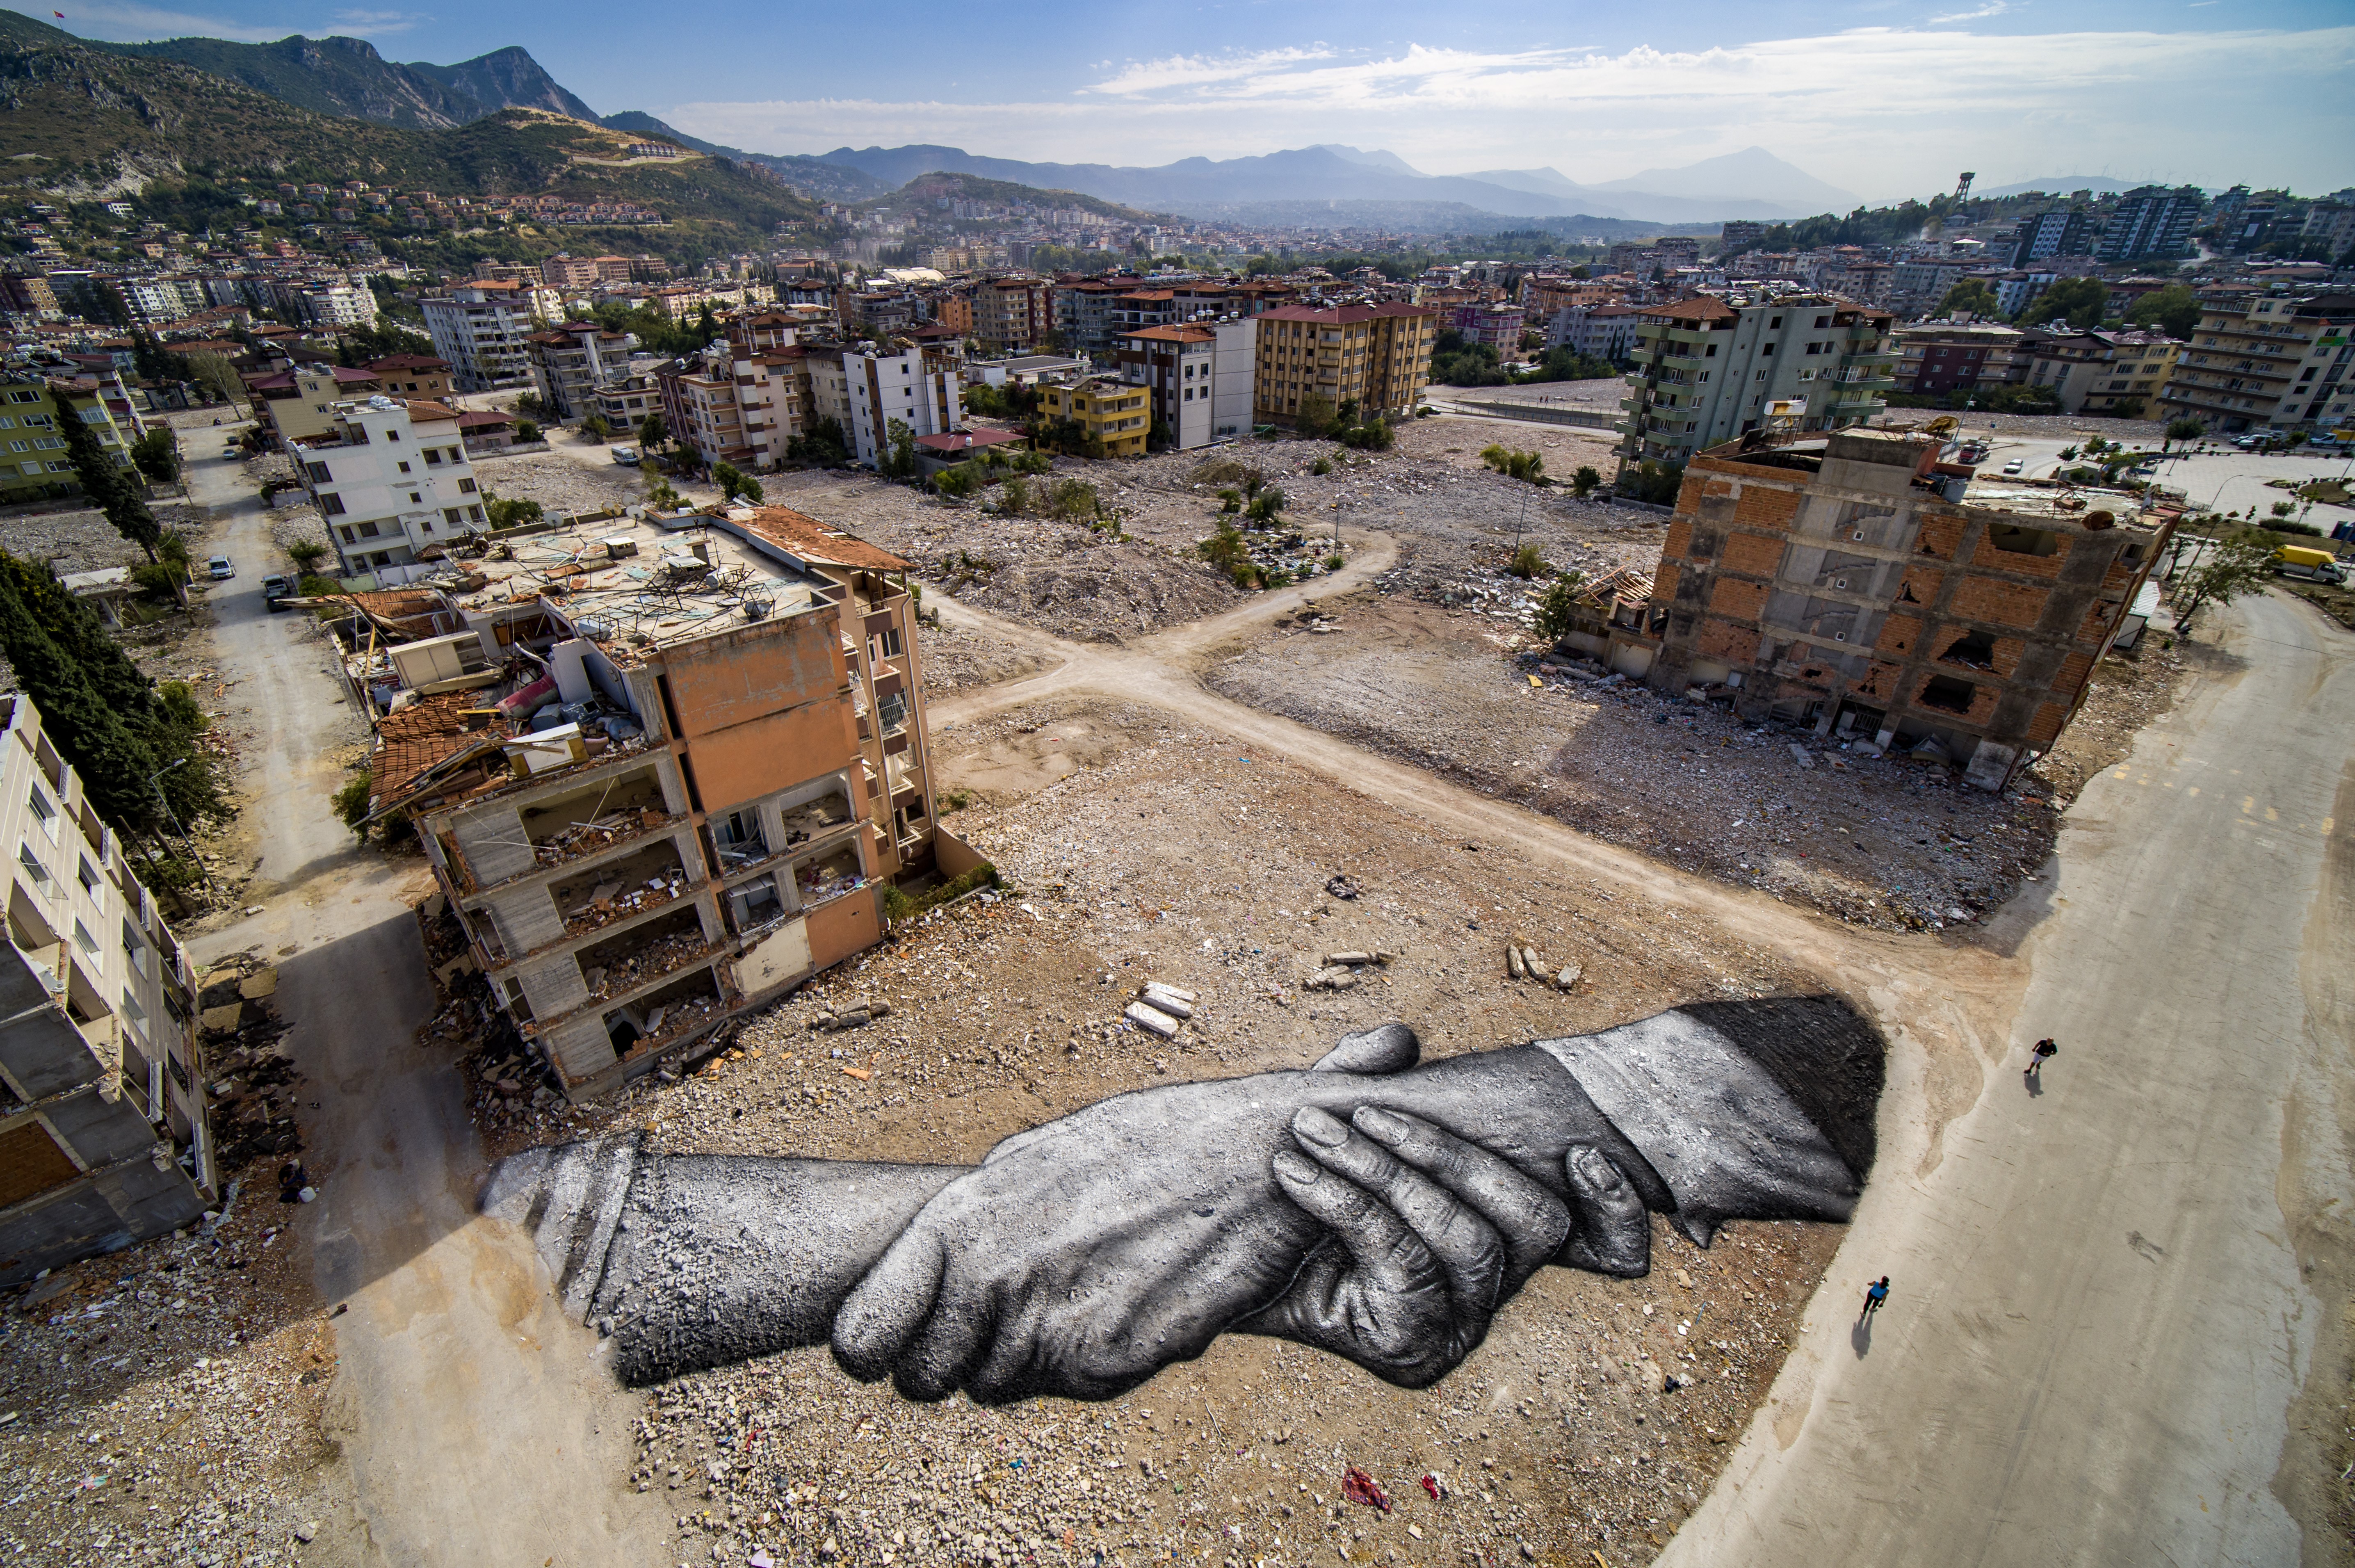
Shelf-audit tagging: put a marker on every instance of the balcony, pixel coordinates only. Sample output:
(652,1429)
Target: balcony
(615,891)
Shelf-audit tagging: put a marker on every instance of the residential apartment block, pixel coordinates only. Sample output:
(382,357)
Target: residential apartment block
(1597,331)
(568,363)
(2151,220)
(392,480)
(103,1137)
(1374,356)
(1200,377)
(1855,580)
(1117,414)
(481,329)
(917,387)
(694,795)
(2101,372)
(2277,361)
(1943,357)
(1013,315)
(32,460)
(1708,370)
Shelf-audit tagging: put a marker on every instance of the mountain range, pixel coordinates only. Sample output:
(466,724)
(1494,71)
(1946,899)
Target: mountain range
(348,78)
(1701,192)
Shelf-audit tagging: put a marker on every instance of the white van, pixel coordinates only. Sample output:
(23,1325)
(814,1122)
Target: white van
(626,455)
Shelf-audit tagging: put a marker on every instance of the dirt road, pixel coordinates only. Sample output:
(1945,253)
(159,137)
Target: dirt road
(2117,1331)
(455,1366)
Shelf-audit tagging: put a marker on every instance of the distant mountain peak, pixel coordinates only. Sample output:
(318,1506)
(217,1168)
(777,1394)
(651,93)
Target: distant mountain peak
(1374,158)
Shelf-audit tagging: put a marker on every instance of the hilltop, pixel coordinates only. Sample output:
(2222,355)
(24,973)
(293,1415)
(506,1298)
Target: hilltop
(973,188)
(86,124)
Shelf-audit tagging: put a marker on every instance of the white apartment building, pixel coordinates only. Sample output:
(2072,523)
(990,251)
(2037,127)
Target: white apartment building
(1597,331)
(916,386)
(480,329)
(1200,373)
(103,1137)
(340,306)
(391,478)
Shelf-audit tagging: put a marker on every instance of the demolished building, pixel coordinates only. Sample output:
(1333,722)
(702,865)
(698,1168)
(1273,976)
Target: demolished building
(1863,582)
(664,770)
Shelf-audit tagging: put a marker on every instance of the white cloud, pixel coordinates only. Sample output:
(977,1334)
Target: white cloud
(1188,71)
(375,24)
(1992,8)
(1876,109)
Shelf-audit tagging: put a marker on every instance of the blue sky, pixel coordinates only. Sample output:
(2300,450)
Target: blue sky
(1879,97)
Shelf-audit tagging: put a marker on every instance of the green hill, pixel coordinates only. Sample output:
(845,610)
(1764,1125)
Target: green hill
(973,188)
(83,124)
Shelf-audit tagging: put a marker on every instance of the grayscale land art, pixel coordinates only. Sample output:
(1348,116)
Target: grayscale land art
(1374,1205)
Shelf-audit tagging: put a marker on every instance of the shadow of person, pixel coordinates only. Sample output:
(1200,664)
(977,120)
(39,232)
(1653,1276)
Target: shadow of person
(1859,1336)
(2035,1081)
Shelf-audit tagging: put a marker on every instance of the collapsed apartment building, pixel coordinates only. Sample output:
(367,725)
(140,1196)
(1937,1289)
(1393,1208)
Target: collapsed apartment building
(663,768)
(103,1137)
(1868,585)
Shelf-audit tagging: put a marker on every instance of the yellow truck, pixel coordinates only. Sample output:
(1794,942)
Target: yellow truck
(2314,565)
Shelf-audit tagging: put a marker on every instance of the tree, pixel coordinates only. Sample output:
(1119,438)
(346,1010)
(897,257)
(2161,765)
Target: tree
(1316,414)
(898,460)
(1971,297)
(594,429)
(2174,310)
(157,455)
(1266,507)
(734,482)
(525,430)
(217,375)
(511,514)
(1558,611)
(115,492)
(1528,466)
(2082,301)
(2233,569)
(1375,435)
(1655,484)
(652,433)
(1582,482)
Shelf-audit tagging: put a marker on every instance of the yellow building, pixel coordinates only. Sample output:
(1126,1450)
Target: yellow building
(1376,356)
(1114,412)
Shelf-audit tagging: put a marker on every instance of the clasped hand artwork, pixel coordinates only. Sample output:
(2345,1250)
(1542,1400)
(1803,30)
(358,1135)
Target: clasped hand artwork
(1375,1206)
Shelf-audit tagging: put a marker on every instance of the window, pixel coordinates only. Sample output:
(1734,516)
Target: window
(1774,323)
(1823,321)
(46,813)
(347,535)
(1765,351)
(2023,541)
(87,876)
(32,863)
(368,530)
(1948,692)
(404,468)
(317,471)
(134,946)
(84,940)
(392,435)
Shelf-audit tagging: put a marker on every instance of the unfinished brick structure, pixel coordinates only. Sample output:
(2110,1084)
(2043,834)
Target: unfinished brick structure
(664,774)
(1859,582)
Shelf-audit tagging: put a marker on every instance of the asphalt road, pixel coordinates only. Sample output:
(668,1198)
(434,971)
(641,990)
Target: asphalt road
(2109,1297)
(457,1376)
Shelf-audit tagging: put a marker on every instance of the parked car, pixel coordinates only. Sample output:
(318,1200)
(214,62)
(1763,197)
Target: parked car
(230,454)
(626,455)
(2015,465)
(220,569)
(277,590)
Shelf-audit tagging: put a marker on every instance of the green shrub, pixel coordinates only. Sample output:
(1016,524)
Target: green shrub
(525,430)
(1373,436)
(351,803)
(1584,482)
(1332,563)
(1528,561)
(1322,465)
(1224,548)
(1528,466)
(1557,615)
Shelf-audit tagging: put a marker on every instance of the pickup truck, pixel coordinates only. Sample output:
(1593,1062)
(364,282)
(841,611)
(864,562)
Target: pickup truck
(275,592)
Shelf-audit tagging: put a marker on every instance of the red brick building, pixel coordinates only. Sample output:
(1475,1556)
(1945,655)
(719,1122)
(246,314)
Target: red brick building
(1856,582)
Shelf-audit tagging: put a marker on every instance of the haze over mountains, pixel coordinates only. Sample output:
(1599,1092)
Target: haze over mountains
(348,77)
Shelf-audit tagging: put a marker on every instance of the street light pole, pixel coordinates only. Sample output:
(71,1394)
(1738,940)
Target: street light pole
(161,800)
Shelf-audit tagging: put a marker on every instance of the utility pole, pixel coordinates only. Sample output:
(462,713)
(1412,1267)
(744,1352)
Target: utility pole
(194,859)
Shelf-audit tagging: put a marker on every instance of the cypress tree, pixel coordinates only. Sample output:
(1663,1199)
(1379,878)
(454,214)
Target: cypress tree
(114,764)
(120,495)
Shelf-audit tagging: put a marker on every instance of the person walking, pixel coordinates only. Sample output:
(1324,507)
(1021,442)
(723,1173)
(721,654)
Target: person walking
(2043,1052)
(1874,1295)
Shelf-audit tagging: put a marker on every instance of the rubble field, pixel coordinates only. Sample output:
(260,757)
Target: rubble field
(166,1403)
(1133,849)
(1466,693)
(562,485)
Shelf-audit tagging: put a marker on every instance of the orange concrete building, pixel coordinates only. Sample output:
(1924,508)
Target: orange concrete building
(663,781)
(1859,582)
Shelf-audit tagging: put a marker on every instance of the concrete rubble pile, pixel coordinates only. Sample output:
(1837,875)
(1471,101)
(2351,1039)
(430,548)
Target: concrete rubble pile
(252,1084)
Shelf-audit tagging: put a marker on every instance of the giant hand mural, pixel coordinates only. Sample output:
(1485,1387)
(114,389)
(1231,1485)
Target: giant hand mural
(1374,1205)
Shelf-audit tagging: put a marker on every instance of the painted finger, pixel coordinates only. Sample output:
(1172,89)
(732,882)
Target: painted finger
(1531,1221)
(1613,1233)
(951,1347)
(1465,1246)
(1387,1254)
(885,1310)
(1385,1048)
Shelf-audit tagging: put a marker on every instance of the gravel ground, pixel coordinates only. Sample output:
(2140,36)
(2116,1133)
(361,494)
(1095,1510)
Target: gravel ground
(1881,842)
(166,1405)
(1171,855)
(560,485)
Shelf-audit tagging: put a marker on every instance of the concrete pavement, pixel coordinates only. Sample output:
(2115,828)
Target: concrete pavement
(2109,1297)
